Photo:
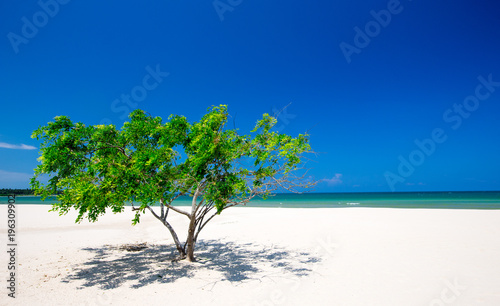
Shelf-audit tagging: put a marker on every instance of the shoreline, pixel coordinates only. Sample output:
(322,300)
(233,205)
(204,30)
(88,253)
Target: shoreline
(429,200)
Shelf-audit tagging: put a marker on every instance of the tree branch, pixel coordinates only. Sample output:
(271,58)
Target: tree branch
(176,209)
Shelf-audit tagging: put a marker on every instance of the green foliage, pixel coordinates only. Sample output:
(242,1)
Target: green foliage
(101,167)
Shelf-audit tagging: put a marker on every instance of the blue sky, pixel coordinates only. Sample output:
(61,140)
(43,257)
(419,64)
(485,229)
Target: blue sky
(368,79)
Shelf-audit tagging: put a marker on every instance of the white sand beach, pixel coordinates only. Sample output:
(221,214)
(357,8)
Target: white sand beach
(261,256)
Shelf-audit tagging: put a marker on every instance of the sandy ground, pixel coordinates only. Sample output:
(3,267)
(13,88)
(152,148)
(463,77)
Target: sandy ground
(260,256)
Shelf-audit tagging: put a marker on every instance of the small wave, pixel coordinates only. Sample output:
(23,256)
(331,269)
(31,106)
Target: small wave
(352,203)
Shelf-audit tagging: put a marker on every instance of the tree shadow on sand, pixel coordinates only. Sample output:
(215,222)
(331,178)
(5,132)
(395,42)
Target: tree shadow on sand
(111,267)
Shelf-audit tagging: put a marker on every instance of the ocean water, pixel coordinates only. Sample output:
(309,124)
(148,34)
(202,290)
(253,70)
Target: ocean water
(444,200)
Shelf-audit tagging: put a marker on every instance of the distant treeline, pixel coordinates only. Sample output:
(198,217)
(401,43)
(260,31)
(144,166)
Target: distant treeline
(9,191)
(27,191)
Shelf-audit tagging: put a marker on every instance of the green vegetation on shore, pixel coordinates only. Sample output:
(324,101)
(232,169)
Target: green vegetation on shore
(19,191)
(10,191)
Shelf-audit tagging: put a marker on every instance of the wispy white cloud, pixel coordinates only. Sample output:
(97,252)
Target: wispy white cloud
(16,147)
(335,180)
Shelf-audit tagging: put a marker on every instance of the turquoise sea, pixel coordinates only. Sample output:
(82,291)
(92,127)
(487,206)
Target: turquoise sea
(448,200)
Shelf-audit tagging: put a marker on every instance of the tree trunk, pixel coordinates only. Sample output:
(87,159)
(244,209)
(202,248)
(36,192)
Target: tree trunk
(180,249)
(182,253)
(163,219)
(192,227)
(190,240)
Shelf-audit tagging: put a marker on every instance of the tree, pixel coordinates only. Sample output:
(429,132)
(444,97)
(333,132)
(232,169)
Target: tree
(152,163)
